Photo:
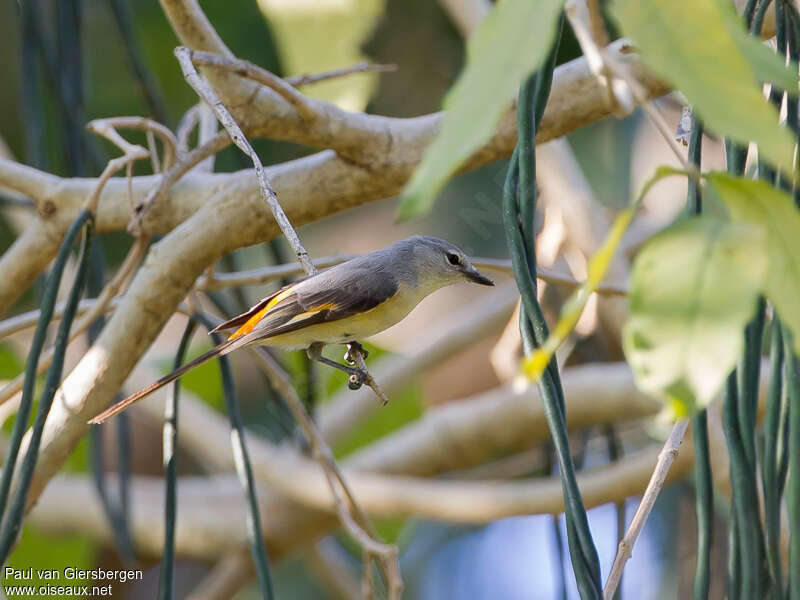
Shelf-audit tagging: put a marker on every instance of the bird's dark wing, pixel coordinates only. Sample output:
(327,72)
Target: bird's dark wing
(329,296)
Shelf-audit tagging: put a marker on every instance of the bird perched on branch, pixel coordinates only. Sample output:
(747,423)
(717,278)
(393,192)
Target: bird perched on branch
(353,300)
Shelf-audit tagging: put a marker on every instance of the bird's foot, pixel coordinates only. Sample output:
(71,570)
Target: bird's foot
(352,349)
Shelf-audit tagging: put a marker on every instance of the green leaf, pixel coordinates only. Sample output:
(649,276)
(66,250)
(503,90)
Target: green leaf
(693,289)
(510,43)
(772,210)
(691,45)
(765,62)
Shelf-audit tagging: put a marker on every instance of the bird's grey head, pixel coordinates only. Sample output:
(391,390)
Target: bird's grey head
(433,263)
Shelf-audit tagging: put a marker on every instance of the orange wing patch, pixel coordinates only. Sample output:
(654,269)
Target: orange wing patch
(254,320)
(250,324)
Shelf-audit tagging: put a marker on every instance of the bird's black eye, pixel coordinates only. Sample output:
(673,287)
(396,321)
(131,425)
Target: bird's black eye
(453,259)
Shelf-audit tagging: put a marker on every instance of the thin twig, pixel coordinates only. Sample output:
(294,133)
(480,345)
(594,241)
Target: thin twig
(247,69)
(667,132)
(170,177)
(580,19)
(613,75)
(225,579)
(104,126)
(151,145)
(331,563)
(665,459)
(132,153)
(349,511)
(362,67)
(206,131)
(204,90)
(185,127)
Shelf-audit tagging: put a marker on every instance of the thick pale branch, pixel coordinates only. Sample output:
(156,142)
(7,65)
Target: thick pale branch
(71,504)
(26,259)
(429,446)
(288,526)
(26,180)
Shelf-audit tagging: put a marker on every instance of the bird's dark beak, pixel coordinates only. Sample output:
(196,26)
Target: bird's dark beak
(477,277)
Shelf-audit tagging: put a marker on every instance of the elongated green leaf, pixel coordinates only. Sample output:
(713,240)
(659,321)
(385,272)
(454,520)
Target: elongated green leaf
(693,289)
(771,209)
(510,43)
(690,44)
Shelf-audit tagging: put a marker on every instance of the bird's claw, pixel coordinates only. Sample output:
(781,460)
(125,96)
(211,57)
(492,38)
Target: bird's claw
(356,379)
(349,356)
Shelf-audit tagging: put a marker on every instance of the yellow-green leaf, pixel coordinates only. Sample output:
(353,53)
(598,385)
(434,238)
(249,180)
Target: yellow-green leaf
(693,289)
(510,43)
(691,45)
(537,362)
(772,210)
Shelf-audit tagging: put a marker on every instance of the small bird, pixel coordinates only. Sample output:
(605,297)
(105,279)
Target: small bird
(353,300)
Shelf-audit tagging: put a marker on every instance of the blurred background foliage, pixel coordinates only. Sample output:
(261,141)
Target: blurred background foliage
(513,558)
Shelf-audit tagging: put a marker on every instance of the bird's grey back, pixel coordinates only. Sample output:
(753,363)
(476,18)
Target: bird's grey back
(398,262)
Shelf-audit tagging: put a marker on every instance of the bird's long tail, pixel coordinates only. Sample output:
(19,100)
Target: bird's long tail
(144,392)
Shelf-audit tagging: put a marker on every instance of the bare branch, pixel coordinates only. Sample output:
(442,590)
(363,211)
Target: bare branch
(184,56)
(226,579)
(247,69)
(191,25)
(350,514)
(27,257)
(26,180)
(186,125)
(598,394)
(70,503)
(666,457)
(362,67)
(132,153)
(347,507)
(178,170)
(168,140)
